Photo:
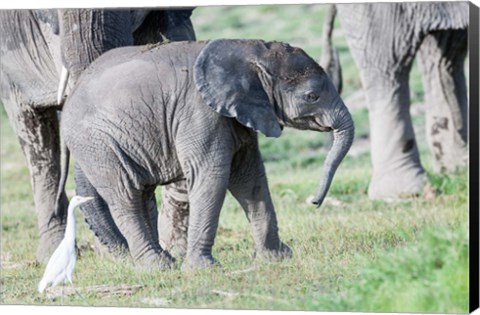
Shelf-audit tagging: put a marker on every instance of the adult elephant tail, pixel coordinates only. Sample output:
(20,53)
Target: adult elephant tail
(329,58)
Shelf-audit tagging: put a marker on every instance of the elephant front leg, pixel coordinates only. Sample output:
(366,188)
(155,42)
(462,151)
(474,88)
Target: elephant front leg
(173,221)
(397,171)
(38,134)
(207,194)
(248,184)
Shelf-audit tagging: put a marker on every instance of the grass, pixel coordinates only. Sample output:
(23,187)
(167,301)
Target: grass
(351,254)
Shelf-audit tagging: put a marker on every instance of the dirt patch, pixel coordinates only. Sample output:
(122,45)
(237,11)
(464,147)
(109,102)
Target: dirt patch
(101,290)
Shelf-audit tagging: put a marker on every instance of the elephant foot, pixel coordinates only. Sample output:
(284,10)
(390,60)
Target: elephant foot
(154,262)
(173,238)
(451,161)
(49,241)
(200,262)
(178,249)
(397,184)
(274,255)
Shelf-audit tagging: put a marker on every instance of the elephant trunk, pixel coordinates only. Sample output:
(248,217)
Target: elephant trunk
(343,134)
(180,27)
(86,34)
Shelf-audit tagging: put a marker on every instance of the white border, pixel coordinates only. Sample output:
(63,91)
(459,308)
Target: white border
(74,310)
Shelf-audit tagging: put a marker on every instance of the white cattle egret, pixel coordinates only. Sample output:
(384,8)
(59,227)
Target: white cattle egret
(61,264)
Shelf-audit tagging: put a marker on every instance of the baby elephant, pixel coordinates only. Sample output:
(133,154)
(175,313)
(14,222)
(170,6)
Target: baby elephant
(140,117)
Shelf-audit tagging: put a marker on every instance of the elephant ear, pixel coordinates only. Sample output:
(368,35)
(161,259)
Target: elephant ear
(226,73)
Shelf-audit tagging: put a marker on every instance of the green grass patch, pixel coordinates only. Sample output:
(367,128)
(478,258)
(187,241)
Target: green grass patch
(429,274)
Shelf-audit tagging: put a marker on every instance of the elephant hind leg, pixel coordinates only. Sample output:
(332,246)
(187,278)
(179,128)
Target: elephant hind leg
(441,60)
(173,222)
(98,216)
(397,170)
(130,213)
(38,133)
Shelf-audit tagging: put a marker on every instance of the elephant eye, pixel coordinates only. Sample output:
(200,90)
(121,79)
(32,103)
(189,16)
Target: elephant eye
(311,97)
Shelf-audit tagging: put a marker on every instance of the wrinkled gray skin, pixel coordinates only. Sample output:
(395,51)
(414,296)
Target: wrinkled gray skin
(130,127)
(34,46)
(384,39)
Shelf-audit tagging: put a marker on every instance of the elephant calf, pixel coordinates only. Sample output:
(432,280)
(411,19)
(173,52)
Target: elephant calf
(146,116)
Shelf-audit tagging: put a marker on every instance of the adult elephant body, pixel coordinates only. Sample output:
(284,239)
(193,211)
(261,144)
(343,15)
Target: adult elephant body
(34,47)
(384,38)
(131,128)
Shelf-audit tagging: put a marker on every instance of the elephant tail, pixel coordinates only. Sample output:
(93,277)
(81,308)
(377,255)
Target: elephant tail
(65,161)
(329,59)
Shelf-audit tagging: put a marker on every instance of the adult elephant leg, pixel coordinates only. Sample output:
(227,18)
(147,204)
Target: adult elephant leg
(397,171)
(38,134)
(173,221)
(248,184)
(152,211)
(441,61)
(98,216)
(384,51)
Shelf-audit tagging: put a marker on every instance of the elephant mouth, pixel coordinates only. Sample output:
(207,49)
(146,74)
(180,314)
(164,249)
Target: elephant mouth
(310,123)
(325,129)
